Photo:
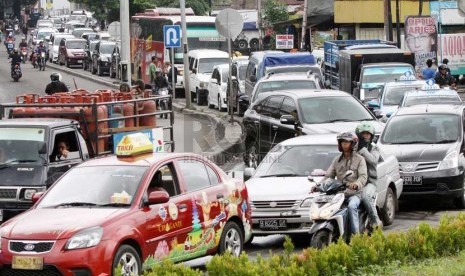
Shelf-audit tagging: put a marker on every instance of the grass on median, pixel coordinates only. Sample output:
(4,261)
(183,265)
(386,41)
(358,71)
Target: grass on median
(445,266)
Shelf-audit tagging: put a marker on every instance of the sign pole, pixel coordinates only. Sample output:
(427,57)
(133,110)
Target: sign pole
(230,103)
(187,90)
(173,79)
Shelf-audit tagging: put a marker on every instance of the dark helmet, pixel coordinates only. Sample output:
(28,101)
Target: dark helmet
(442,67)
(445,61)
(347,136)
(55,77)
(15,51)
(365,127)
(158,70)
(140,83)
(41,43)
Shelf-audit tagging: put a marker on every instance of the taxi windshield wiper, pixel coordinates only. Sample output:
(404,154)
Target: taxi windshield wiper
(9,162)
(114,205)
(445,141)
(412,142)
(281,175)
(72,204)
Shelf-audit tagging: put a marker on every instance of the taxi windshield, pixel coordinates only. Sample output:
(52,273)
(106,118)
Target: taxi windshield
(429,129)
(393,95)
(288,160)
(95,186)
(431,99)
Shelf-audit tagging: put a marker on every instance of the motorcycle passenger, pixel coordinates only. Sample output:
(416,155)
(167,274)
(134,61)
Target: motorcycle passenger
(160,80)
(443,78)
(366,148)
(56,85)
(349,160)
(15,58)
(23,43)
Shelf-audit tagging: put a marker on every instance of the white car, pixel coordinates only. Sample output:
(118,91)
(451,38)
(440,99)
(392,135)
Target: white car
(217,87)
(279,189)
(54,45)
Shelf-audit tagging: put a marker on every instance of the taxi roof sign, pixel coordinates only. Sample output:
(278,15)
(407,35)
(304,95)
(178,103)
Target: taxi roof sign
(407,76)
(430,85)
(134,144)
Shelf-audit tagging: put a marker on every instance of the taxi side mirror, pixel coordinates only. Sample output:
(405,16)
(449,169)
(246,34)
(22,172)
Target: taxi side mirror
(248,173)
(158,197)
(36,197)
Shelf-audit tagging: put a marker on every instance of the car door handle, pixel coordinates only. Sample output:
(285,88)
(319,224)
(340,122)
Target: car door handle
(219,196)
(256,122)
(182,207)
(275,127)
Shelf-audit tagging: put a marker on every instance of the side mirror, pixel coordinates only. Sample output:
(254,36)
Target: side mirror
(287,120)
(158,197)
(42,148)
(36,197)
(194,71)
(214,80)
(248,173)
(253,78)
(355,84)
(378,114)
(94,52)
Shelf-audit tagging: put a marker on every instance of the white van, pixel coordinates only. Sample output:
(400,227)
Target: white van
(201,63)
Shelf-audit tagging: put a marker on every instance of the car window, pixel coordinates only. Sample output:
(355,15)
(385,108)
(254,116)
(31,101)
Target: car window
(65,141)
(194,173)
(429,129)
(260,107)
(394,95)
(272,106)
(224,76)
(270,86)
(212,175)
(164,179)
(319,110)
(251,70)
(206,64)
(288,107)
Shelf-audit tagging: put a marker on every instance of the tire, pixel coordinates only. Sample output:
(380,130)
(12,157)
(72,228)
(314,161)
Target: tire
(93,70)
(321,239)
(211,106)
(240,112)
(459,202)
(112,73)
(67,63)
(220,109)
(242,44)
(84,65)
(254,44)
(388,212)
(232,239)
(59,61)
(126,255)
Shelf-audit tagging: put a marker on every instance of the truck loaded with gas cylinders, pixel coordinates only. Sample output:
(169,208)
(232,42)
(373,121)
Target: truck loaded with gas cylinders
(87,125)
(361,66)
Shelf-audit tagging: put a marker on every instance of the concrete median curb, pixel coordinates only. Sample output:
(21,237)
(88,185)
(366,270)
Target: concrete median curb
(228,136)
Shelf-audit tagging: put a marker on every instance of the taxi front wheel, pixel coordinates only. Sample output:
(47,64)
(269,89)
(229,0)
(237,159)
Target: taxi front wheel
(232,239)
(128,260)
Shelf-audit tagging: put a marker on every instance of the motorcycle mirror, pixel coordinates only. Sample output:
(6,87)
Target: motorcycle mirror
(310,178)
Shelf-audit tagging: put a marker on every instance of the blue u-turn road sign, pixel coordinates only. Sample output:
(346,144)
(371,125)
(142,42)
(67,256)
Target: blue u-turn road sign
(172,36)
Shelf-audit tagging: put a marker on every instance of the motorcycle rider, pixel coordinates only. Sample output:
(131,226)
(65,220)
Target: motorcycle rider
(349,160)
(15,58)
(369,150)
(160,80)
(56,85)
(23,43)
(41,48)
(443,78)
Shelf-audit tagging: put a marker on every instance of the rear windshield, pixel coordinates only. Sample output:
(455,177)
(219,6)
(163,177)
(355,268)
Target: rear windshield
(433,99)
(270,86)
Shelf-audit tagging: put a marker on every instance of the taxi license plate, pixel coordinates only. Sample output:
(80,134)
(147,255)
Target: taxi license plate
(27,262)
(412,180)
(272,224)
(79,61)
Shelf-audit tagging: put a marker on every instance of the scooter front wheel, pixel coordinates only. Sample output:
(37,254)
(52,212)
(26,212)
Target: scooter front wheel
(321,239)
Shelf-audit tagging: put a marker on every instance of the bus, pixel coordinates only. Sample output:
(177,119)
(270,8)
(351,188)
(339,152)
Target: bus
(147,41)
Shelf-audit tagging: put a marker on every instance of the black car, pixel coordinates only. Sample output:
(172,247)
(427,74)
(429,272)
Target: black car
(90,46)
(101,57)
(428,141)
(280,115)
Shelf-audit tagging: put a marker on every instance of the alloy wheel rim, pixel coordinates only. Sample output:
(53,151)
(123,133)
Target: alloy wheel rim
(233,242)
(128,265)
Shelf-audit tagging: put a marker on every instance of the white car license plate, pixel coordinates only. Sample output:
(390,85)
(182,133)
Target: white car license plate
(272,224)
(79,61)
(412,180)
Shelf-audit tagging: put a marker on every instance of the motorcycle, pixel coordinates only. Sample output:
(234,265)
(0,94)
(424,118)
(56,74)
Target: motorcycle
(24,53)
(329,214)
(16,73)
(34,59)
(41,61)
(163,103)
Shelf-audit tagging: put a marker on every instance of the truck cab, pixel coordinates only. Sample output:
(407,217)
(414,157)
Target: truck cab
(27,166)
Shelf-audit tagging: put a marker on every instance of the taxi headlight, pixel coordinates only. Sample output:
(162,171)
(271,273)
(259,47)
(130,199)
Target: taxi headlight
(86,238)
(451,161)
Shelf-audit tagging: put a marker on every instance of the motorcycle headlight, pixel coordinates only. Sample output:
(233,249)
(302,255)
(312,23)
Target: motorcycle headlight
(314,211)
(86,238)
(451,161)
(327,210)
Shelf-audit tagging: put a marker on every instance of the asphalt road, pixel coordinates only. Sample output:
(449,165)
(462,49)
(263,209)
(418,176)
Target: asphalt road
(33,81)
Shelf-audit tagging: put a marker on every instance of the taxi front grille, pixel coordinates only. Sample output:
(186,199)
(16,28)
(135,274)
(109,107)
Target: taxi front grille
(8,193)
(30,246)
(274,204)
(48,270)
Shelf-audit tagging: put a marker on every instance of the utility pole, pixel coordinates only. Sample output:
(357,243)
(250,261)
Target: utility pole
(304,27)
(186,76)
(259,23)
(386,19)
(397,23)
(391,36)
(125,41)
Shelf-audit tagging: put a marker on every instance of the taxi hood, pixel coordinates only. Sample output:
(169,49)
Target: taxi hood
(418,153)
(278,188)
(54,224)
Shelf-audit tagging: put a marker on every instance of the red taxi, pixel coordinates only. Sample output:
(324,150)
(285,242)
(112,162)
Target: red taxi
(132,212)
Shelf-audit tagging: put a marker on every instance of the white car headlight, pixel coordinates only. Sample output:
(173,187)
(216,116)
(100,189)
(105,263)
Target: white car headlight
(451,161)
(307,202)
(86,238)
